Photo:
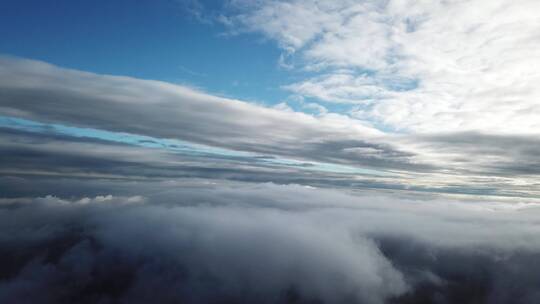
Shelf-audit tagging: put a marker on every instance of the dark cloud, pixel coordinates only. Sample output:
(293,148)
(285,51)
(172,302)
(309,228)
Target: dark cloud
(361,153)
(507,155)
(47,160)
(40,164)
(457,275)
(266,244)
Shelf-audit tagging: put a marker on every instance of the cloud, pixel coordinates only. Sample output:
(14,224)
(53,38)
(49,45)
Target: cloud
(266,243)
(38,163)
(122,190)
(33,163)
(41,92)
(502,155)
(261,144)
(343,86)
(420,66)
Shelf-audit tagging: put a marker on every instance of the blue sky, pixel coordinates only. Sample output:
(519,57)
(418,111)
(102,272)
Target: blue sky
(159,40)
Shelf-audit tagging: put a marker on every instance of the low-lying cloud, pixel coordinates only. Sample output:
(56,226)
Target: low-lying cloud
(238,243)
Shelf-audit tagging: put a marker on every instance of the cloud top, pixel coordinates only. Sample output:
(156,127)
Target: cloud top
(265,243)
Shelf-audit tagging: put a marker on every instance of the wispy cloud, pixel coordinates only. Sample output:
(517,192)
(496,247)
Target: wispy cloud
(423,66)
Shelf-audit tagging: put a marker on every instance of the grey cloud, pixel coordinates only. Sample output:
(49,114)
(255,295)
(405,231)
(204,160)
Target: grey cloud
(41,158)
(265,243)
(458,162)
(42,92)
(364,153)
(26,153)
(507,155)
(35,163)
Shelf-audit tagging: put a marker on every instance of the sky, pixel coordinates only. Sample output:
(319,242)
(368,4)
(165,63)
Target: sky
(269,151)
(161,41)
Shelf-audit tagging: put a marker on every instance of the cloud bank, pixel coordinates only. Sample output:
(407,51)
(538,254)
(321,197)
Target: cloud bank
(265,243)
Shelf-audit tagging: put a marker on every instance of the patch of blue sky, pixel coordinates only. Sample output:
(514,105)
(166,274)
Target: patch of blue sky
(121,38)
(178,146)
(401,84)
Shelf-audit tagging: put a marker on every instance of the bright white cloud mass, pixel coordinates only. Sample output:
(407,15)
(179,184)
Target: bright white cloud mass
(420,66)
(402,165)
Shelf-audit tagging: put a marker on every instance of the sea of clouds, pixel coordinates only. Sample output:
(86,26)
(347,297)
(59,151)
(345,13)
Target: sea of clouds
(267,243)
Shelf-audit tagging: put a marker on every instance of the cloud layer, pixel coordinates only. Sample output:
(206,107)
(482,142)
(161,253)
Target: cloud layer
(262,144)
(242,243)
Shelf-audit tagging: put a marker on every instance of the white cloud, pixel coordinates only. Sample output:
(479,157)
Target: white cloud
(340,86)
(476,62)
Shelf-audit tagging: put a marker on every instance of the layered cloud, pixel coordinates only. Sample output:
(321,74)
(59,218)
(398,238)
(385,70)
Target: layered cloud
(193,134)
(38,91)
